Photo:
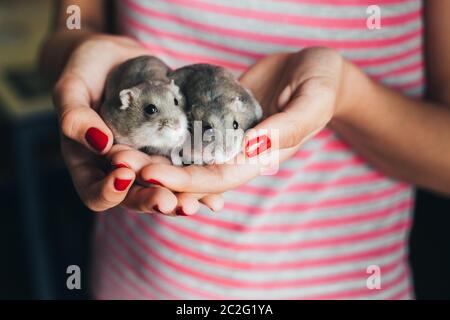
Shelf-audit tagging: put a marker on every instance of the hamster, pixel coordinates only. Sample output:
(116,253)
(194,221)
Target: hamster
(143,107)
(225,108)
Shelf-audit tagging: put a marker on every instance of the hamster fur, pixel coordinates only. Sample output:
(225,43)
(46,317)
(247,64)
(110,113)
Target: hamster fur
(143,107)
(215,97)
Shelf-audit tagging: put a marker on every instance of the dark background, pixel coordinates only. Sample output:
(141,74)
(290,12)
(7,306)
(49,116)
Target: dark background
(44,228)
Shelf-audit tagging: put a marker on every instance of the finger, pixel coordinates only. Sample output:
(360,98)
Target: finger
(104,193)
(213,201)
(301,118)
(128,157)
(210,178)
(151,200)
(188,204)
(78,121)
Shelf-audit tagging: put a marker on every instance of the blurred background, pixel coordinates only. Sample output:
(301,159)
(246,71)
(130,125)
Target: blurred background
(44,227)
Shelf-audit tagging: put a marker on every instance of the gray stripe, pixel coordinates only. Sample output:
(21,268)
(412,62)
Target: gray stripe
(309,9)
(269,29)
(247,221)
(292,237)
(276,28)
(233,274)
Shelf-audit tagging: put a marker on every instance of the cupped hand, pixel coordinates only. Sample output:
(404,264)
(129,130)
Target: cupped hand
(149,196)
(299,93)
(86,140)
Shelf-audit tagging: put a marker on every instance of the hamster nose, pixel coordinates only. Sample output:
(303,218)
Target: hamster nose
(176,125)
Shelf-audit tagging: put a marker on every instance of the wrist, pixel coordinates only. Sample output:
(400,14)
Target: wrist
(353,89)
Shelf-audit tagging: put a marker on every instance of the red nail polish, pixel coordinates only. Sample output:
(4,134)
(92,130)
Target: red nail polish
(180,212)
(262,144)
(153,181)
(97,139)
(120,165)
(121,184)
(156,208)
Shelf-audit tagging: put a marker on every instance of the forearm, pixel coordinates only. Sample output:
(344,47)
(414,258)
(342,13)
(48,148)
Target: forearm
(405,138)
(58,48)
(61,41)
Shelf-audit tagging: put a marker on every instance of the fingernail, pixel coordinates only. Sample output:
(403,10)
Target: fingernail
(180,212)
(121,184)
(156,208)
(120,165)
(97,139)
(153,181)
(257,146)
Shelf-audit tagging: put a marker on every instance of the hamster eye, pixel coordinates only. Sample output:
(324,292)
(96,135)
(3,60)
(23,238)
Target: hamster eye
(207,127)
(235,125)
(175,100)
(150,109)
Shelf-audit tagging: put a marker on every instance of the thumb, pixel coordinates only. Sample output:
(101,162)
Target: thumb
(78,121)
(302,117)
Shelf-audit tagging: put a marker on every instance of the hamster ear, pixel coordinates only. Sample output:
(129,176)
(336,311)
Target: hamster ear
(174,88)
(258,109)
(237,105)
(127,96)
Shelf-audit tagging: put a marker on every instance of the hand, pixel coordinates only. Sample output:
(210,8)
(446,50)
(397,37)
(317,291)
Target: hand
(149,196)
(86,139)
(299,93)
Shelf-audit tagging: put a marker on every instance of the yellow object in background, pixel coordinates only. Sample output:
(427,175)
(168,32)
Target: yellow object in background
(23,26)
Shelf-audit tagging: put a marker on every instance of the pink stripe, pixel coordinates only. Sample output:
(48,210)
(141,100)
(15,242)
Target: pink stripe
(362,292)
(256,55)
(332,165)
(408,85)
(123,284)
(371,177)
(195,58)
(113,287)
(411,68)
(239,265)
(281,40)
(302,154)
(336,145)
(145,265)
(136,270)
(301,207)
(300,245)
(341,3)
(241,67)
(187,39)
(305,226)
(366,62)
(286,18)
(403,294)
(324,134)
(335,164)
(185,269)
(325,223)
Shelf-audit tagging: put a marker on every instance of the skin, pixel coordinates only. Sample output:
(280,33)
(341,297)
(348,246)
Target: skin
(415,143)
(72,59)
(304,91)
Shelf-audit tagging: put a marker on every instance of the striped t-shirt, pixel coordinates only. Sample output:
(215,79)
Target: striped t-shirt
(327,222)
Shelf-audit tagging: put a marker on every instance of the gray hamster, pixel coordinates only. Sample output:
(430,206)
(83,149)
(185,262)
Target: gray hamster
(143,107)
(225,108)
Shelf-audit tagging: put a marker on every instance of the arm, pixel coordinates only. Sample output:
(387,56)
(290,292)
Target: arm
(406,138)
(302,92)
(61,41)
